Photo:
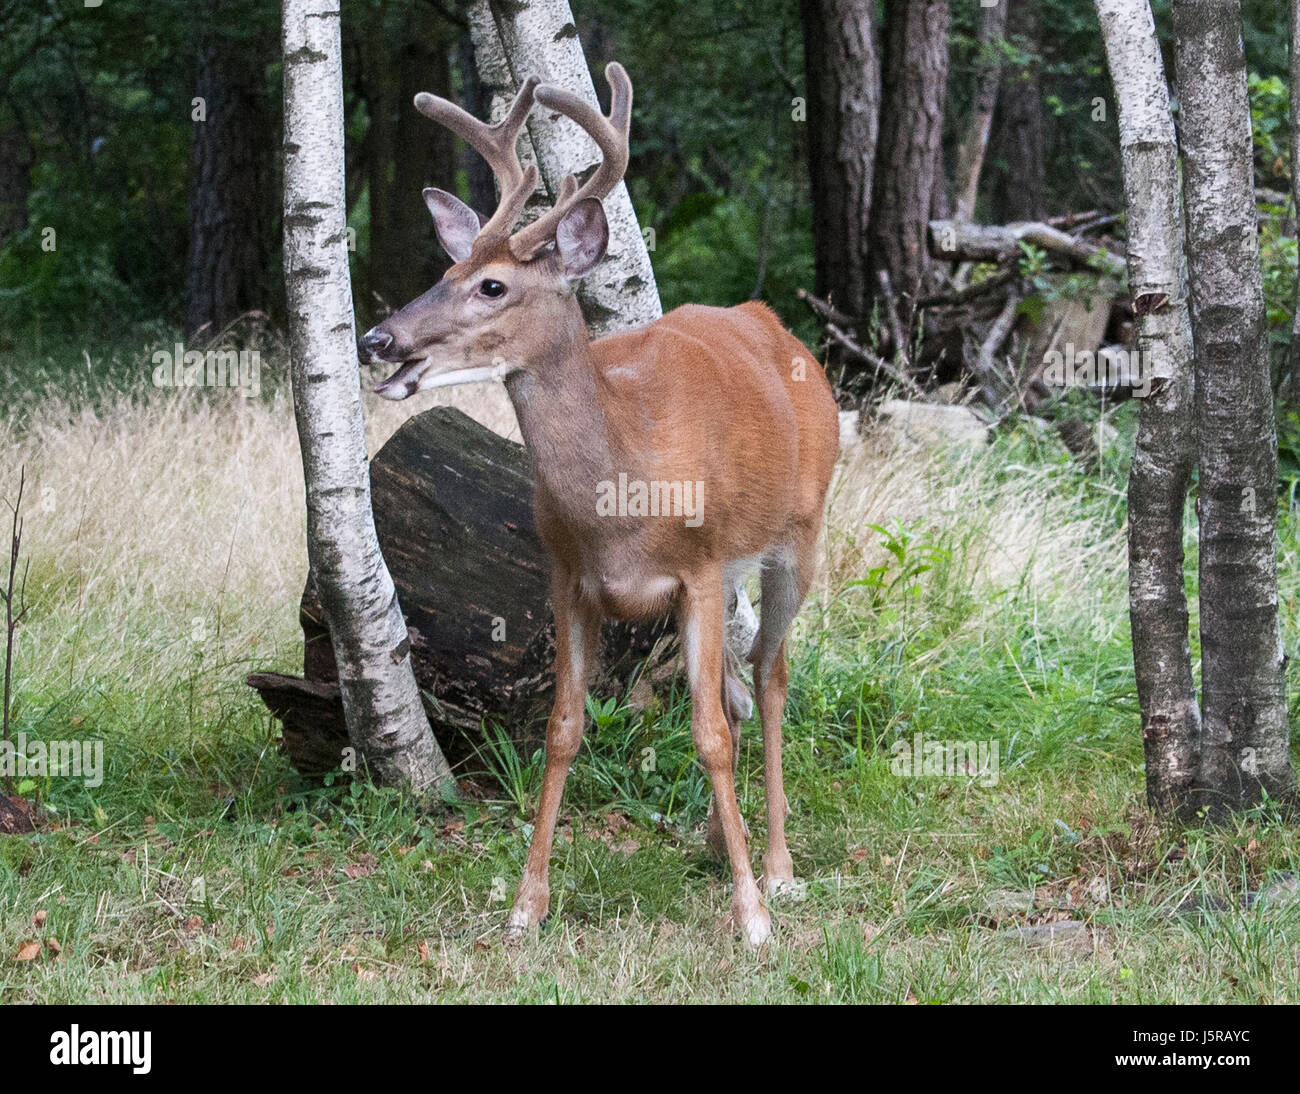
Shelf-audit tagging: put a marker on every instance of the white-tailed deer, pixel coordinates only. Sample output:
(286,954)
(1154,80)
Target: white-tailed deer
(668,460)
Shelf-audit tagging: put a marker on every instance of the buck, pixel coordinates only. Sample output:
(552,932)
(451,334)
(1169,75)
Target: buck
(723,403)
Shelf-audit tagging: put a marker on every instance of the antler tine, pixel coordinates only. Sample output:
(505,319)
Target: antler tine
(611,137)
(496,144)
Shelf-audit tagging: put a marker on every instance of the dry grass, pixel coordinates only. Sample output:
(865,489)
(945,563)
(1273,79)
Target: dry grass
(157,520)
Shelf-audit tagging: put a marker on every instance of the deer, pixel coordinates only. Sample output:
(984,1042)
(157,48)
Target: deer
(723,403)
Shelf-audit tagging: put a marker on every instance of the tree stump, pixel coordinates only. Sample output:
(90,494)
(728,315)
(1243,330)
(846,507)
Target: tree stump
(453,512)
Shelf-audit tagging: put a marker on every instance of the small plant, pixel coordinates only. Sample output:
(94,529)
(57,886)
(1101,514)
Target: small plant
(13,619)
(502,761)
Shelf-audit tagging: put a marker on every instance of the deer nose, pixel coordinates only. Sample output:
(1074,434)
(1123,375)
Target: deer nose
(375,341)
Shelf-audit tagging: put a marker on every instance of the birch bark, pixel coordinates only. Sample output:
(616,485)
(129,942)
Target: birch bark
(386,721)
(1165,452)
(1245,739)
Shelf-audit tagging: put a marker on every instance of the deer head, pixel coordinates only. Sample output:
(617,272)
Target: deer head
(508,290)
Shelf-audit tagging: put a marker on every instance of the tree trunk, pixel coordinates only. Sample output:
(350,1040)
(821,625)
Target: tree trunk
(988,78)
(480,183)
(911,131)
(513,41)
(15,179)
(405,151)
(1292,389)
(843,84)
(386,722)
(231,205)
(1019,192)
(1246,737)
(1166,439)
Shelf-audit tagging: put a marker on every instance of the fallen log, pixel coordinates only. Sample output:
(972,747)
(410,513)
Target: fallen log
(958,241)
(453,512)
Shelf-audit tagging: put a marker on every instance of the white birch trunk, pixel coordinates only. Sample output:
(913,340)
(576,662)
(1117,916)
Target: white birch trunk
(386,721)
(1246,738)
(513,41)
(1166,446)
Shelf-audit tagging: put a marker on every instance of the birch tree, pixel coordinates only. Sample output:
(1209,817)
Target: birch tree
(386,721)
(1165,451)
(1245,739)
(513,41)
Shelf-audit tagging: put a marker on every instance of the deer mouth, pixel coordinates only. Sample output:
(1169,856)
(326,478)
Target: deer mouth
(405,379)
(418,374)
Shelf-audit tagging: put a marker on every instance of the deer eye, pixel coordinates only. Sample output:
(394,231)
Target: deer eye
(492,289)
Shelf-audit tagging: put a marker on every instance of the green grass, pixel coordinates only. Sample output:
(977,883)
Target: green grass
(205,870)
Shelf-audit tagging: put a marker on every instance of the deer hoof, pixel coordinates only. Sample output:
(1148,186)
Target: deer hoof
(757,928)
(789,888)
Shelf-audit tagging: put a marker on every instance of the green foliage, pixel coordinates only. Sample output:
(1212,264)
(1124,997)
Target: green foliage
(1271,128)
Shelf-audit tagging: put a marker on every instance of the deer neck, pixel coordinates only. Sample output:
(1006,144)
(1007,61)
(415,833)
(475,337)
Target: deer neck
(563,416)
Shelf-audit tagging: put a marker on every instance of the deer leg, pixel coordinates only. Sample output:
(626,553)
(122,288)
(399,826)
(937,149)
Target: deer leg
(735,701)
(784,586)
(737,706)
(700,625)
(577,630)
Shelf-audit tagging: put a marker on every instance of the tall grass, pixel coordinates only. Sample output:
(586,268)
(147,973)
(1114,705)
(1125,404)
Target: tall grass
(971,594)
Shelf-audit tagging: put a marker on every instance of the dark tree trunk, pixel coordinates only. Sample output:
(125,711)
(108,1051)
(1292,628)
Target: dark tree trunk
(404,154)
(1291,388)
(1019,188)
(1246,736)
(914,94)
(15,180)
(453,513)
(482,187)
(232,203)
(843,84)
(988,78)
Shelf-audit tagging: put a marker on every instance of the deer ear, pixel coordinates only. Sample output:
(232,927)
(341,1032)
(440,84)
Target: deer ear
(582,236)
(457,224)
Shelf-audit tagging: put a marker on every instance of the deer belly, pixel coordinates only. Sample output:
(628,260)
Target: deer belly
(633,596)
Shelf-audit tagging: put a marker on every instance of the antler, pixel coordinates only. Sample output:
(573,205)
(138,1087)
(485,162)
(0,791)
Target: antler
(611,137)
(496,144)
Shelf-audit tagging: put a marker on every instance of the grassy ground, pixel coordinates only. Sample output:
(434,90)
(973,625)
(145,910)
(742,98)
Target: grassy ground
(962,597)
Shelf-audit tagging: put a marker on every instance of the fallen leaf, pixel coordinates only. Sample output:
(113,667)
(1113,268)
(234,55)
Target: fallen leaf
(39,917)
(423,950)
(53,945)
(364,974)
(363,867)
(266,979)
(193,923)
(859,854)
(28,951)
